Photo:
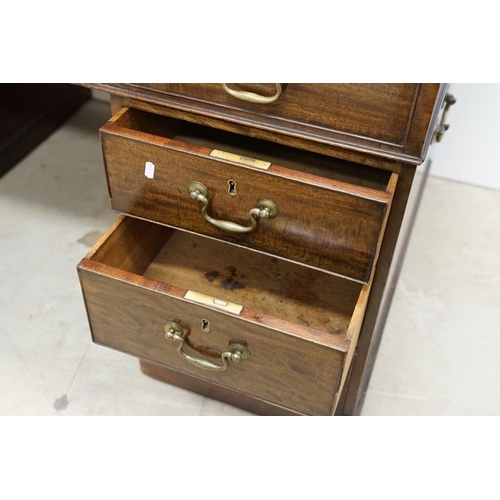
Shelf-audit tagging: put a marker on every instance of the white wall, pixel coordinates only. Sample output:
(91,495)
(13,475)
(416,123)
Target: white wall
(470,150)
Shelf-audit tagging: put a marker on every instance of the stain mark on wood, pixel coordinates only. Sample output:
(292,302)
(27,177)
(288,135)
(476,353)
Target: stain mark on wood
(230,284)
(211,276)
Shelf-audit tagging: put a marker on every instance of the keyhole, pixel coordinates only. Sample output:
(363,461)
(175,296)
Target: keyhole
(205,325)
(231,187)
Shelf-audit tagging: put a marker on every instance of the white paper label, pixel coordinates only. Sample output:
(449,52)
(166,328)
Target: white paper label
(149,170)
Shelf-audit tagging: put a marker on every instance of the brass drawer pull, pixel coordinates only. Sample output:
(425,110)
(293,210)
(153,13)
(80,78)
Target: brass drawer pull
(236,351)
(265,209)
(252,97)
(449,100)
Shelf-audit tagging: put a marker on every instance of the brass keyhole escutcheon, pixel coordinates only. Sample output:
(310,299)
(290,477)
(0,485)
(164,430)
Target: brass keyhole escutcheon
(205,325)
(231,187)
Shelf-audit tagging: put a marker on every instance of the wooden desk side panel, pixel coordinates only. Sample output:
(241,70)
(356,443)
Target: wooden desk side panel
(356,386)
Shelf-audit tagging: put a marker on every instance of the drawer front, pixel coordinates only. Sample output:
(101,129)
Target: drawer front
(376,111)
(320,222)
(289,365)
(383,120)
(281,369)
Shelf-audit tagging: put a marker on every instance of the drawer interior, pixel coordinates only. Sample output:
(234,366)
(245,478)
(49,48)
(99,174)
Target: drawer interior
(285,156)
(258,282)
(272,291)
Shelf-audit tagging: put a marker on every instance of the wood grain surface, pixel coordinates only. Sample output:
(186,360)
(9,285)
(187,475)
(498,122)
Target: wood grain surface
(214,390)
(293,365)
(312,334)
(274,287)
(327,218)
(391,121)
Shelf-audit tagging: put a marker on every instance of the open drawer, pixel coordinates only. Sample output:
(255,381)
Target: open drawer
(315,210)
(262,326)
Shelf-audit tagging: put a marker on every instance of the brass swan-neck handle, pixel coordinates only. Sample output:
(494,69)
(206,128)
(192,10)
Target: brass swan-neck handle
(236,351)
(265,209)
(252,96)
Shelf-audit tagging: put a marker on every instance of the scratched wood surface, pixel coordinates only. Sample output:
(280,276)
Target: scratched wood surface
(259,282)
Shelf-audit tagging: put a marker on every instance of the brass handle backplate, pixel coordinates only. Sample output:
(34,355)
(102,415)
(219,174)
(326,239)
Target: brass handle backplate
(265,209)
(252,96)
(236,351)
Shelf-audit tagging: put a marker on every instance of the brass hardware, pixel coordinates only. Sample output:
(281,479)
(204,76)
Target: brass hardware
(252,97)
(201,298)
(236,351)
(449,100)
(231,189)
(265,209)
(205,325)
(244,160)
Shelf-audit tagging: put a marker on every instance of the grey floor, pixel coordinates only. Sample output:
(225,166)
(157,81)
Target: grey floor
(440,350)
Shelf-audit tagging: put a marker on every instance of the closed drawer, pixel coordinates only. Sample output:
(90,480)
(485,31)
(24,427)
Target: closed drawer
(330,214)
(375,111)
(386,120)
(298,326)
